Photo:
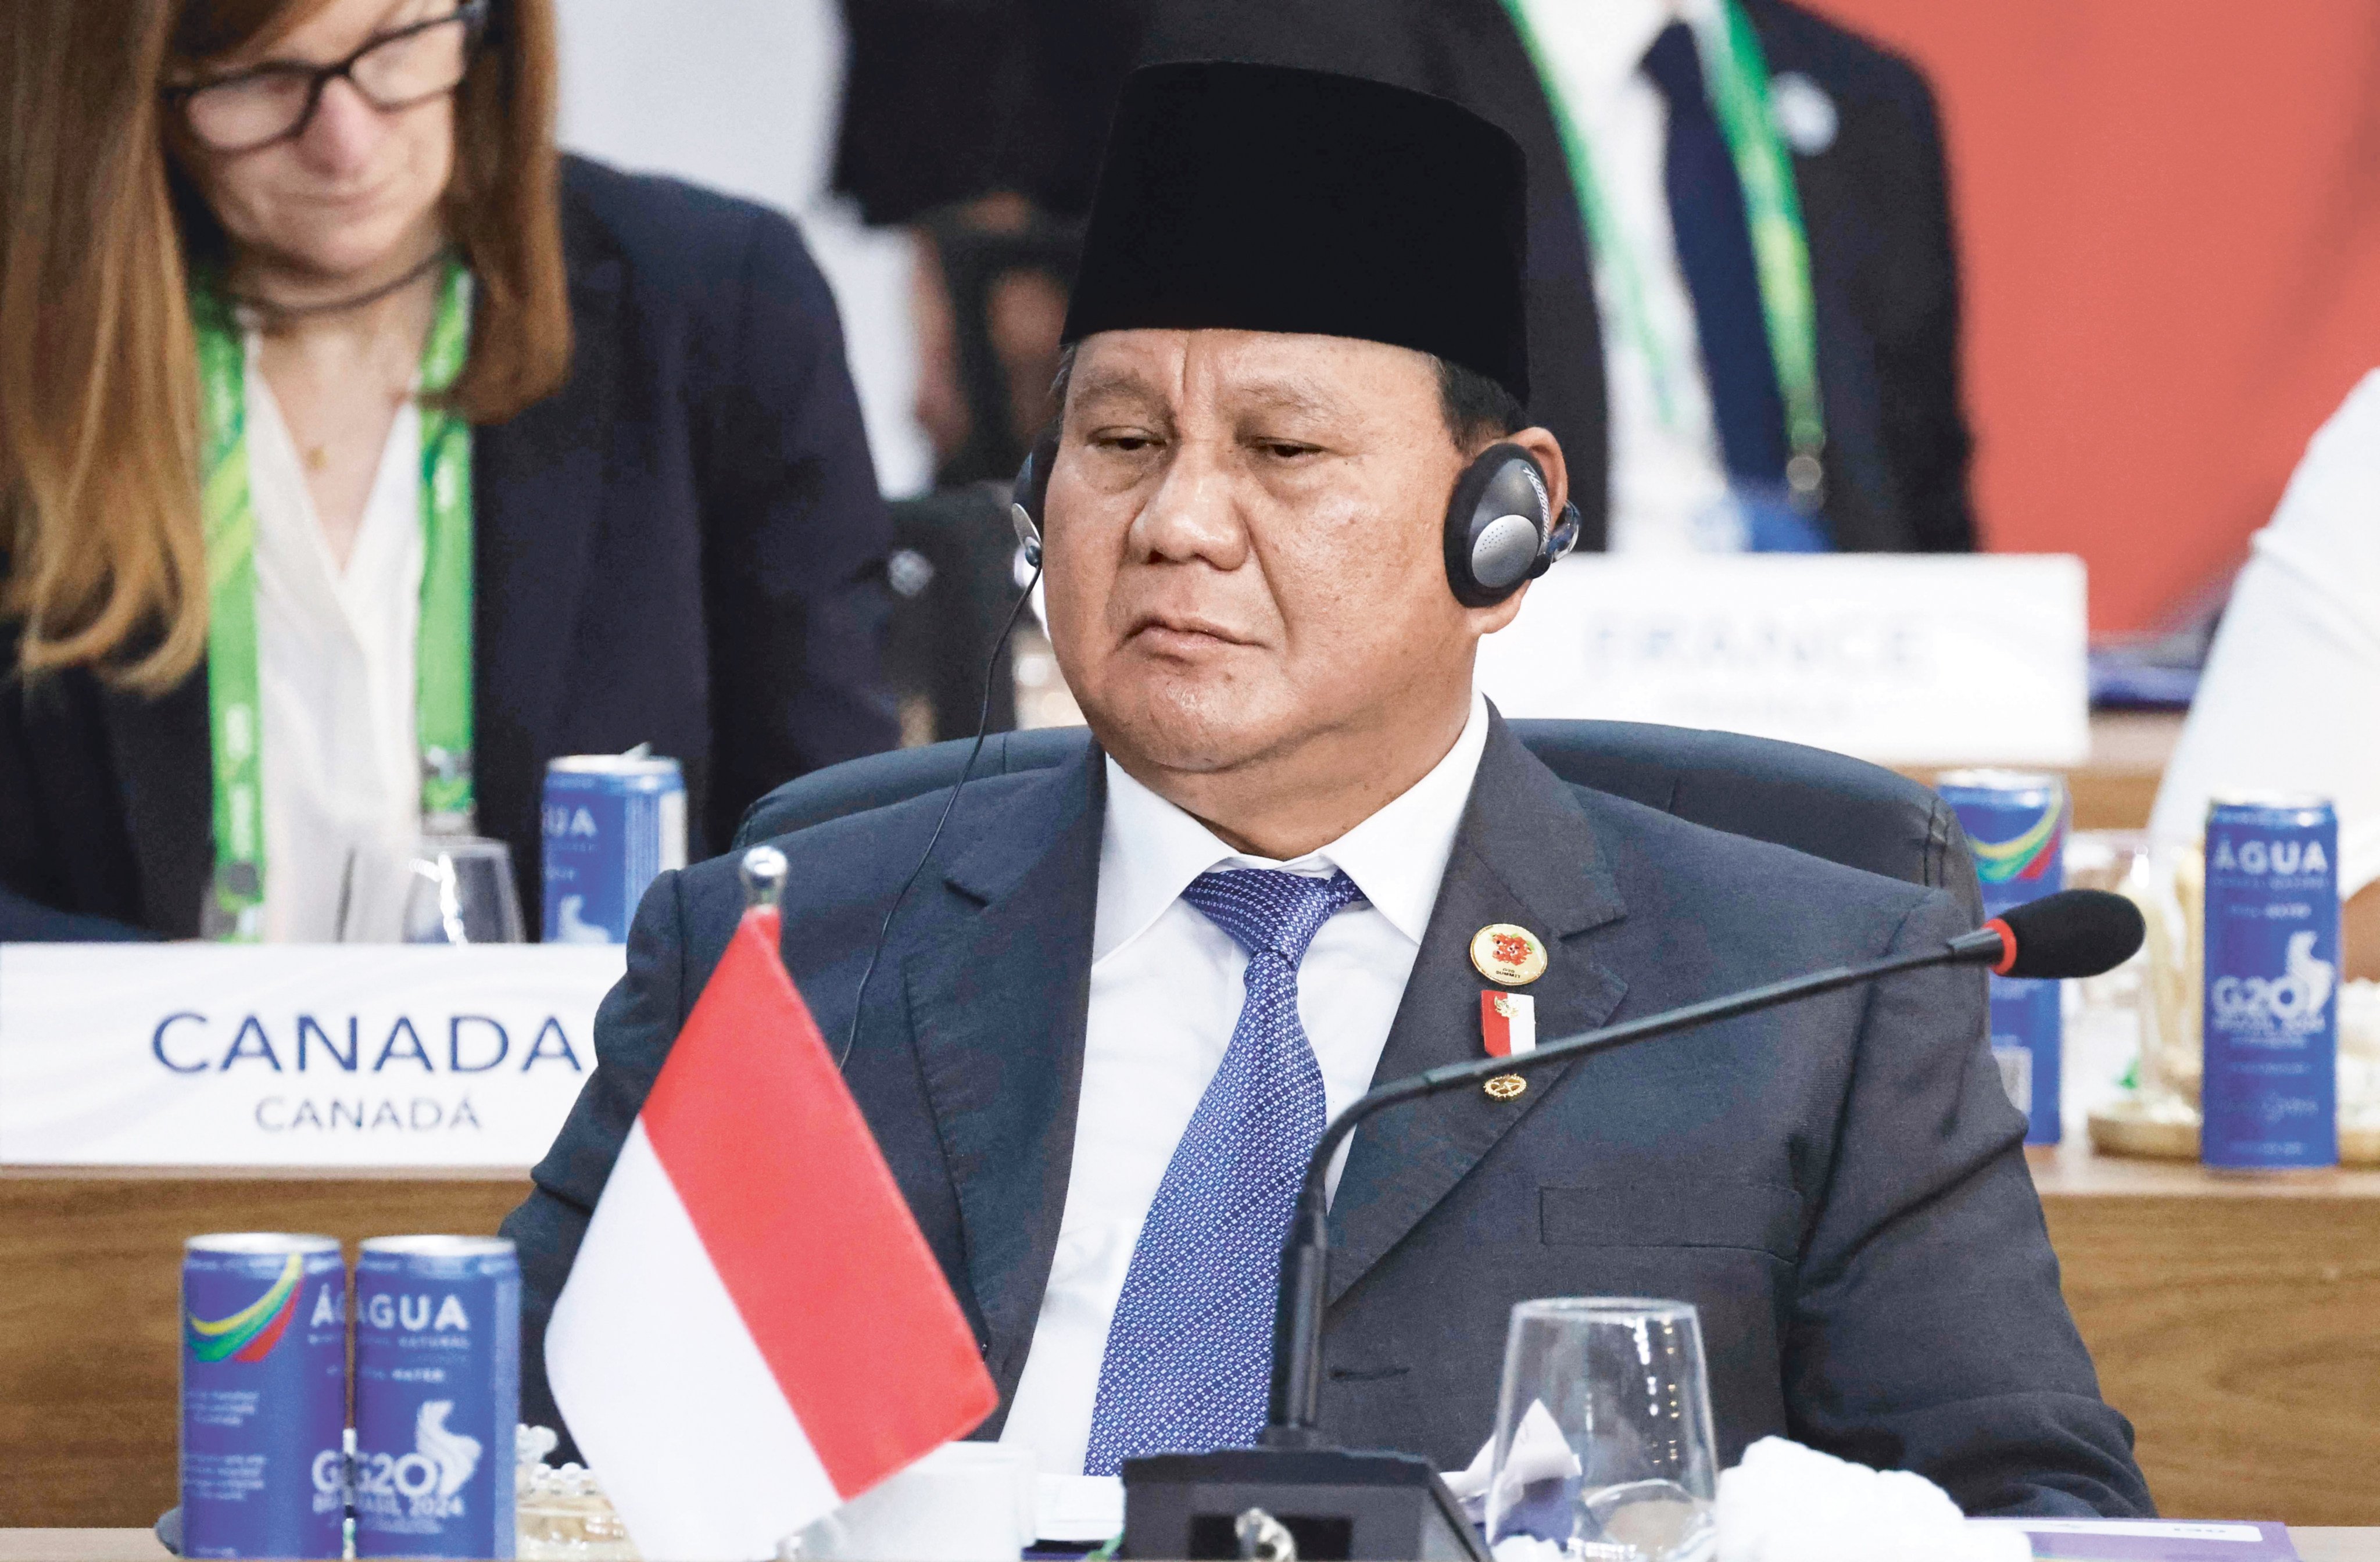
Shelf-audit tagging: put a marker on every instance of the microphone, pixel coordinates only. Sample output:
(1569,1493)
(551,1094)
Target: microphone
(2074,932)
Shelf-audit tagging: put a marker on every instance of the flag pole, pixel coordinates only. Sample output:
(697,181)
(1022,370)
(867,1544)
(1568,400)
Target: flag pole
(763,871)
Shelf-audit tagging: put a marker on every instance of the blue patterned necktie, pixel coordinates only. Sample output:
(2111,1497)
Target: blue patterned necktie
(1189,1354)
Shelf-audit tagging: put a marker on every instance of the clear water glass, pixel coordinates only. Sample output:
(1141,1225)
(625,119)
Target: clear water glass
(2109,1018)
(461,891)
(1603,1432)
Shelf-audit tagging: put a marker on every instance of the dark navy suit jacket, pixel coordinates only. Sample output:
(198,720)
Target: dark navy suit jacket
(684,546)
(1838,1186)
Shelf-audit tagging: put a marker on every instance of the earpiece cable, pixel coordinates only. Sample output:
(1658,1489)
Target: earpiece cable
(982,724)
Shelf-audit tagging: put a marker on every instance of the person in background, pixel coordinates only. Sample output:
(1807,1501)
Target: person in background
(359,455)
(1743,293)
(1743,290)
(977,127)
(2291,698)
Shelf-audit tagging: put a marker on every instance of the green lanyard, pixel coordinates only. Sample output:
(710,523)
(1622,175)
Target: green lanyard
(442,650)
(1737,78)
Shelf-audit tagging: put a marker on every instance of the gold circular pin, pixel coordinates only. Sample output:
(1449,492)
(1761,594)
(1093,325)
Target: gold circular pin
(1507,954)
(1505,1087)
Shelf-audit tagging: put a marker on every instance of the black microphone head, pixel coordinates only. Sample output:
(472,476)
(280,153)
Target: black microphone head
(2072,933)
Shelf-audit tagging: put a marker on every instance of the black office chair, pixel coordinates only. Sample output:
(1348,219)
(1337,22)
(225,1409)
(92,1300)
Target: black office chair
(951,575)
(1828,804)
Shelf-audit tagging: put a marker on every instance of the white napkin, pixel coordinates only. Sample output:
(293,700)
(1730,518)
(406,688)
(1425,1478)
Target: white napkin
(1786,1503)
(1528,1548)
(1081,1507)
(1540,1452)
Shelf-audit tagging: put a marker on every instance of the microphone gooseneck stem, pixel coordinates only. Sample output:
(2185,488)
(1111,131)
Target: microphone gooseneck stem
(1297,1324)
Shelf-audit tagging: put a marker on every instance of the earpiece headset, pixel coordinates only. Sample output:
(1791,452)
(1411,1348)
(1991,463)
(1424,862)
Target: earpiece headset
(1500,532)
(1500,528)
(1030,492)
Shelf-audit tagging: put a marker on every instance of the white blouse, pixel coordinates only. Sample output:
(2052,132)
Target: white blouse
(335,657)
(2292,695)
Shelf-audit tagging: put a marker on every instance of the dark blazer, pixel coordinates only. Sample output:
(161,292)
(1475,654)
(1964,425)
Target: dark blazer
(1884,275)
(682,546)
(1839,1185)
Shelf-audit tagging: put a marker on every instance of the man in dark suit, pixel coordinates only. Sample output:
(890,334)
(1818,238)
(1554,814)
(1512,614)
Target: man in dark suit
(1109,1023)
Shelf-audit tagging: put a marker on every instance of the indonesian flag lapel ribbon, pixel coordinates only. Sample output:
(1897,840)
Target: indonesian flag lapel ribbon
(1507,1023)
(754,1331)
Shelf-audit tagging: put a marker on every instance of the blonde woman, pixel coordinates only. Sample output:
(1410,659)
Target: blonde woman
(359,455)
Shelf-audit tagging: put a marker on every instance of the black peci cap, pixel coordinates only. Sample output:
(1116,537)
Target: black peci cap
(1259,198)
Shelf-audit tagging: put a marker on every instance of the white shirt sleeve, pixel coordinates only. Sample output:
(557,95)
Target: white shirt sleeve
(2291,695)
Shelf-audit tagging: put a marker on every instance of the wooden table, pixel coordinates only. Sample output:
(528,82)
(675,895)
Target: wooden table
(2236,1322)
(2117,785)
(90,1324)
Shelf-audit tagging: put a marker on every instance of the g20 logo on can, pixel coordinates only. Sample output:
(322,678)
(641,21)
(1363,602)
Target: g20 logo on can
(329,1472)
(2294,1002)
(430,1479)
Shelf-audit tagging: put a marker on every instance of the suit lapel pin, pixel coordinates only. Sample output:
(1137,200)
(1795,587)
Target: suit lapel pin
(1804,111)
(1508,1024)
(1509,954)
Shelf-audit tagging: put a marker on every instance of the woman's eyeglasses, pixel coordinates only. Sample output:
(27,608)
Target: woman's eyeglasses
(274,102)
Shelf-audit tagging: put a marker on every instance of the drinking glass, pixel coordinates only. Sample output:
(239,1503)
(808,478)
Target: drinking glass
(461,893)
(1603,1432)
(2109,1018)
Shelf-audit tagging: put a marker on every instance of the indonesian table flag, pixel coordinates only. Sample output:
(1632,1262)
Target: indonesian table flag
(754,1331)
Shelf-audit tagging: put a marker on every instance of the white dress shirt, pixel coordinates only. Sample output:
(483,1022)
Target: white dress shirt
(1167,985)
(1668,479)
(335,675)
(2292,695)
